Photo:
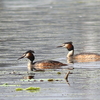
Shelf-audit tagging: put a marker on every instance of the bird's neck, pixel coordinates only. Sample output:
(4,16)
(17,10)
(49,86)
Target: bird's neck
(70,53)
(30,66)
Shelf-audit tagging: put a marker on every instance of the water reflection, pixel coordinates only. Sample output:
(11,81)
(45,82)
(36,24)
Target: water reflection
(29,77)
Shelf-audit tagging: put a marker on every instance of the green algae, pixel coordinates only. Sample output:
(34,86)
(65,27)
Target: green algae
(29,89)
(33,89)
(6,84)
(19,89)
(40,80)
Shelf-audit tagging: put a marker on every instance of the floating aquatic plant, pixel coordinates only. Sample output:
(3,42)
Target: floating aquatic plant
(6,84)
(51,79)
(58,72)
(30,89)
(19,89)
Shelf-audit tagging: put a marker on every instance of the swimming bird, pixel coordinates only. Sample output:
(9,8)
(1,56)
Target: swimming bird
(43,64)
(82,57)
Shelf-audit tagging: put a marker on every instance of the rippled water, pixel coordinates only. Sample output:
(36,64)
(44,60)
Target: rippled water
(43,25)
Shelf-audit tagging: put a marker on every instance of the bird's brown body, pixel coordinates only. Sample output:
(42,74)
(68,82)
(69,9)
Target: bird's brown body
(43,64)
(86,57)
(48,64)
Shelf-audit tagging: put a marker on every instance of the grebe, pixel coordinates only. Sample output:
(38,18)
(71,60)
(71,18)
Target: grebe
(82,57)
(43,64)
